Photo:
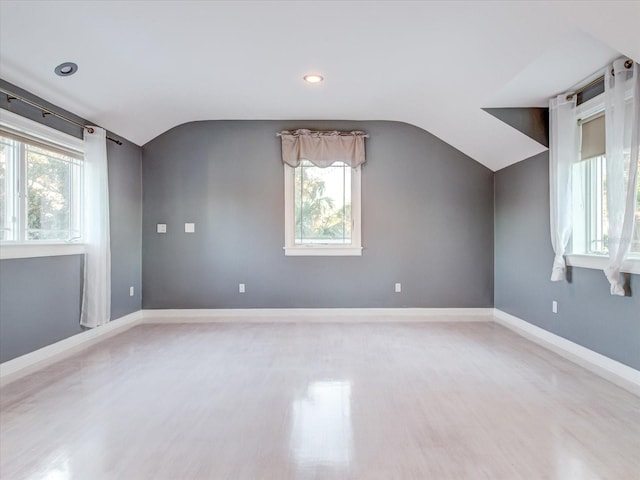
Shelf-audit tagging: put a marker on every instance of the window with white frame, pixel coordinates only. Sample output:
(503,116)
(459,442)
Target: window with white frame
(40,184)
(322,209)
(322,178)
(589,178)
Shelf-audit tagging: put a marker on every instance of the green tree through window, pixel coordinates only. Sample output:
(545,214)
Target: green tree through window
(323,204)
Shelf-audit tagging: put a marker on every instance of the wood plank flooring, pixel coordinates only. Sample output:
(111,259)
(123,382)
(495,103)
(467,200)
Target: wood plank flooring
(317,401)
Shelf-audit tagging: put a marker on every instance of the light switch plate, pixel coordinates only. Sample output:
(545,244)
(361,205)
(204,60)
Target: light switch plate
(161,228)
(189,227)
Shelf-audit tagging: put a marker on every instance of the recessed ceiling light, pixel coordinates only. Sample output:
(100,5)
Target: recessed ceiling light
(313,78)
(65,69)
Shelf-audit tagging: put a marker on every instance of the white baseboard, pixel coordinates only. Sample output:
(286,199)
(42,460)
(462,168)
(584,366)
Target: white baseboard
(333,315)
(26,364)
(611,370)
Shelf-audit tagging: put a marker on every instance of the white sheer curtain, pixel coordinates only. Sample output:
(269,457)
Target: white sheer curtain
(563,153)
(622,123)
(96,297)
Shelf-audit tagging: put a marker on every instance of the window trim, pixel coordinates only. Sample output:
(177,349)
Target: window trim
(587,110)
(37,131)
(32,250)
(600,262)
(290,247)
(47,134)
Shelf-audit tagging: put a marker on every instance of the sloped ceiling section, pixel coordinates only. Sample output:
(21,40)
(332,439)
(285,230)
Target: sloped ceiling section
(147,66)
(532,121)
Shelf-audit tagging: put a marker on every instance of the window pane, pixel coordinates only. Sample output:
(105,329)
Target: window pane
(596,211)
(49,177)
(598,240)
(8,152)
(323,204)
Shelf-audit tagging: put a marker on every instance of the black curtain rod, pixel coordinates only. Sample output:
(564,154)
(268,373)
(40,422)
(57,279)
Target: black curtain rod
(45,111)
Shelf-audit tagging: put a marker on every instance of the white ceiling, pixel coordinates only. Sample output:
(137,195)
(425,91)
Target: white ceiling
(147,66)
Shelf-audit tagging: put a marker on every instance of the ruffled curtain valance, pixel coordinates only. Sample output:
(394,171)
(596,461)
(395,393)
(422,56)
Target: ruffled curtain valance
(322,148)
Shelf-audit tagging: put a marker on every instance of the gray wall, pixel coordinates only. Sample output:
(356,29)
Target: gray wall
(533,122)
(587,313)
(38,304)
(426,222)
(125,212)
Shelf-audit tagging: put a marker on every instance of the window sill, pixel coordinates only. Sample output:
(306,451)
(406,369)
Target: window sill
(9,251)
(600,262)
(322,251)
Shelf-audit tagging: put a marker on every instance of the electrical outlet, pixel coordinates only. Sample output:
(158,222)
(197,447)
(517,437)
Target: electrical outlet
(161,228)
(131,291)
(554,307)
(189,227)
(398,287)
(241,287)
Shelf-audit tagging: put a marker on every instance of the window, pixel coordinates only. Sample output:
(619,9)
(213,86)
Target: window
(41,173)
(322,209)
(590,215)
(323,204)
(322,191)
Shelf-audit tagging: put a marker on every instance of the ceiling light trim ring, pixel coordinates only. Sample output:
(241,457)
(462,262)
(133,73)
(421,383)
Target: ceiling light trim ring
(66,69)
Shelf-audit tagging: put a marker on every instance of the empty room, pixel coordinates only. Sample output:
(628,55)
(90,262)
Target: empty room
(296,240)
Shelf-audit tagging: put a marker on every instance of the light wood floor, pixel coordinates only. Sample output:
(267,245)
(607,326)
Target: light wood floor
(318,401)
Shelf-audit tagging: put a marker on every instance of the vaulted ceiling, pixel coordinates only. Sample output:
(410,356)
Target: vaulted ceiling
(147,66)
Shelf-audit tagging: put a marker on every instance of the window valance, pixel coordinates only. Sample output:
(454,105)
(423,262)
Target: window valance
(322,148)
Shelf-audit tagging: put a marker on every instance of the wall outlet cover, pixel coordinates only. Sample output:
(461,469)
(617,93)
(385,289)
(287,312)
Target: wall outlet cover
(398,287)
(189,227)
(161,228)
